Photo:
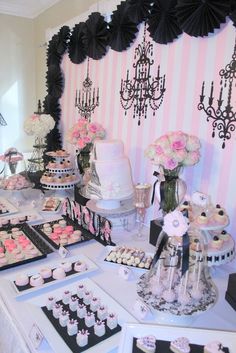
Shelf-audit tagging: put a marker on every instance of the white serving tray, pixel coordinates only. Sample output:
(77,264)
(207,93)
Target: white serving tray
(53,264)
(168,333)
(108,249)
(36,217)
(12,209)
(55,340)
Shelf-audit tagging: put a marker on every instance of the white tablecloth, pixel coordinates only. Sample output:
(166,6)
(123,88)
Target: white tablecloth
(16,321)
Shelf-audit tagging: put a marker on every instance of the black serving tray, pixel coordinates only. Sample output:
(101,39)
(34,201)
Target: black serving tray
(164,347)
(34,238)
(71,340)
(86,235)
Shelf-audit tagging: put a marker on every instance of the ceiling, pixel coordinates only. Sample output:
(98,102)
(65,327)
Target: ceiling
(25,8)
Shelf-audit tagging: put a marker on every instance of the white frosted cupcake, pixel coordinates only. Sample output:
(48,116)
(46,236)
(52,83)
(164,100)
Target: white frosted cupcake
(36,280)
(51,301)
(66,265)
(80,290)
(80,266)
(102,312)
(94,304)
(87,297)
(73,303)
(22,280)
(45,272)
(58,273)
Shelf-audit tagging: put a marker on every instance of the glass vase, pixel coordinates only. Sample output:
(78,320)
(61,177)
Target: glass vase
(83,158)
(172,190)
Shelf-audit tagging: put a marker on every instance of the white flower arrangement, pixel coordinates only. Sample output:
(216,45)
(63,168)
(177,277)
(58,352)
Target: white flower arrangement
(39,125)
(175,224)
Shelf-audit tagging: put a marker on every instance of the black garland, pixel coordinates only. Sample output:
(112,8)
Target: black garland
(93,38)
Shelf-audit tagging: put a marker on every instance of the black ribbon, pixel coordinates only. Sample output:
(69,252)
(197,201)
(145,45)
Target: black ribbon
(160,248)
(156,174)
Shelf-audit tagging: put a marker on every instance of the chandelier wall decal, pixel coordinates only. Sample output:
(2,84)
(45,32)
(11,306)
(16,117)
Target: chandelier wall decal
(2,121)
(143,90)
(88,98)
(222,117)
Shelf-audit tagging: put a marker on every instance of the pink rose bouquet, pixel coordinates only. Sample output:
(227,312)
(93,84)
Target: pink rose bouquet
(174,150)
(170,153)
(83,133)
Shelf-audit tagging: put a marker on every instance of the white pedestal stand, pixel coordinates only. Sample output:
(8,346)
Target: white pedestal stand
(122,217)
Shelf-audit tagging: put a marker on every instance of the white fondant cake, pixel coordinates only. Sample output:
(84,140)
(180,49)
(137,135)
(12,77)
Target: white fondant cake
(110,171)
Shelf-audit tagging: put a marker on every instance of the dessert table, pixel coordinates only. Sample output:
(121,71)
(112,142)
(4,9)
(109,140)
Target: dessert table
(17,318)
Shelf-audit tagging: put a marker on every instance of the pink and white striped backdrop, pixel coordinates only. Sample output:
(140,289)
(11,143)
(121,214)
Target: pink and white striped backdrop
(186,62)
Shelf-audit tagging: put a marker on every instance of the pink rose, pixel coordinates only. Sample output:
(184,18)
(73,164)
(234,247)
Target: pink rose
(81,144)
(180,155)
(193,143)
(82,123)
(177,140)
(87,139)
(75,133)
(93,127)
(170,163)
(159,149)
(163,141)
(192,158)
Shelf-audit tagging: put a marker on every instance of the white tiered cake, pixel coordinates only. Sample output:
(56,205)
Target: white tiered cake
(111,177)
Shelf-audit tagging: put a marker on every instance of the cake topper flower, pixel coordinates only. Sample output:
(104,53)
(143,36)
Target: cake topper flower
(39,125)
(175,224)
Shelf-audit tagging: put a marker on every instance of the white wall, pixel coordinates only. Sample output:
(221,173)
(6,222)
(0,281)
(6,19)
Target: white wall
(17,77)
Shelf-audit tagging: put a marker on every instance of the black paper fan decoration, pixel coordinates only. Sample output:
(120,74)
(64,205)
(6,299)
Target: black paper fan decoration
(233,17)
(63,37)
(122,28)
(139,9)
(95,36)
(55,81)
(76,49)
(52,107)
(163,24)
(200,17)
(53,56)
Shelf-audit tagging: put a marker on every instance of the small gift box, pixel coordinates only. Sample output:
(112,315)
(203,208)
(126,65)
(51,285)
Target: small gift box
(230,295)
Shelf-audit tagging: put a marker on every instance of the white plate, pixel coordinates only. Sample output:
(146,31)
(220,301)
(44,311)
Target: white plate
(109,248)
(168,333)
(55,340)
(32,214)
(91,267)
(11,209)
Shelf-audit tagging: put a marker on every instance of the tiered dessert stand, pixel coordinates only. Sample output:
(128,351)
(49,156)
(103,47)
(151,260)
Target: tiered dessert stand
(57,173)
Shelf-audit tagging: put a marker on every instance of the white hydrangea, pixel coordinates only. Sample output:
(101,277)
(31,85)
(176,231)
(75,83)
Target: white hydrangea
(39,125)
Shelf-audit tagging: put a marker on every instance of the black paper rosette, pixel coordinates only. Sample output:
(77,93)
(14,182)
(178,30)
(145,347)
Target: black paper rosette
(76,49)
(139,9)
(54,81)
(122,28)
(63,38)
(95,36)
(198,17)
(162,23)
(52,107)
(53,56)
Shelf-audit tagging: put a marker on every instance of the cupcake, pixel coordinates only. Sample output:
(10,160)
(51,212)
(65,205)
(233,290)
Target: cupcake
(56,310)
(63,318)
(112,321)
(66,297)
(102,312)
(22,280)
(58,273)
(73,303)
(220,217)
(89,319)
(81,311)
(72,327)
(202,218)
(80,266)
(51,301)
(216,242)
(36,280)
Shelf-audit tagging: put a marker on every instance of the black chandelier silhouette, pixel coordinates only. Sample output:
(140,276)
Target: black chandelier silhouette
(2,121)
(223,118)
(144,89)
(88,98)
